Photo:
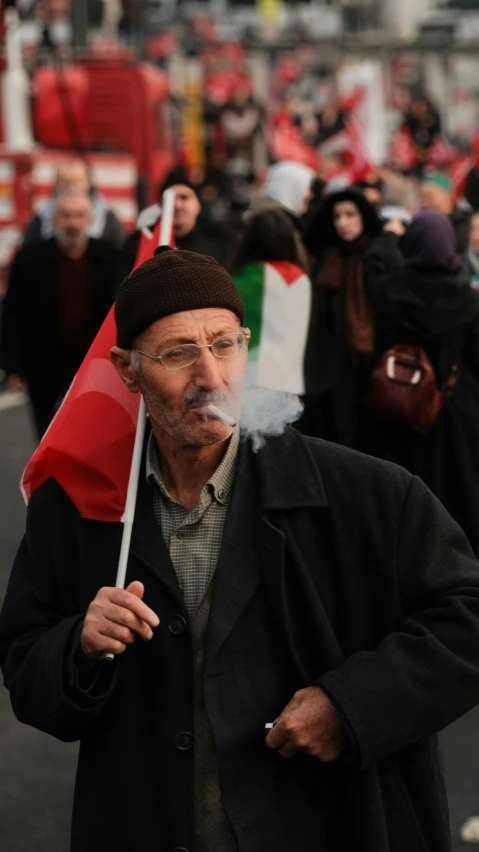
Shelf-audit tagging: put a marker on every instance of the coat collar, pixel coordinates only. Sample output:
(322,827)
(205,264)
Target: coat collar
(289,477)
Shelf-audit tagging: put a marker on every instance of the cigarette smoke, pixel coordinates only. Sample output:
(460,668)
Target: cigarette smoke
(266,413)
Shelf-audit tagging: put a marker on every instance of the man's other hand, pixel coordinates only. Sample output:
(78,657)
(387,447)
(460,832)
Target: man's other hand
(114,619)
(309,723)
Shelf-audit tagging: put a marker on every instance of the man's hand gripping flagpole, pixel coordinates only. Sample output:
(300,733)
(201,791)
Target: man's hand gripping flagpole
(166,229)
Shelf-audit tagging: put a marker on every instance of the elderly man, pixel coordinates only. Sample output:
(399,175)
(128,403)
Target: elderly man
(74,175)
(296,624)
(59,293)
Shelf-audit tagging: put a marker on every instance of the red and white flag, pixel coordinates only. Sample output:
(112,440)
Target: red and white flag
(459,171)
(88,448)
(403,151)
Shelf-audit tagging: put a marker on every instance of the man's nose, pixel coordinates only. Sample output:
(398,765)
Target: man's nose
(207,370)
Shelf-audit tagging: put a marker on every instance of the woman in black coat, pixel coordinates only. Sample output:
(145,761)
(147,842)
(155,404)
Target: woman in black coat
(422,296)
(339,237)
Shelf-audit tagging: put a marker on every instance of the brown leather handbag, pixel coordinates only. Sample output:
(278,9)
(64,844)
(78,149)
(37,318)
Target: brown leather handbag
(403,389)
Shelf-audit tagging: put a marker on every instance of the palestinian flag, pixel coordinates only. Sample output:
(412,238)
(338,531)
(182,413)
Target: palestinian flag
(277,300)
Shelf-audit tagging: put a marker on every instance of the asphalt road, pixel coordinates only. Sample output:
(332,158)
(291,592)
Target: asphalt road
(37,772)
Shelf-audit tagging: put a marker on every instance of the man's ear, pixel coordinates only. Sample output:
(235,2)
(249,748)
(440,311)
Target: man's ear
(120,358)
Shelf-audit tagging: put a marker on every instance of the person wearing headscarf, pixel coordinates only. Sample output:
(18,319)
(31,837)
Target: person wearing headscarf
(421,295)
(342,328)
(436,193)
(290,184)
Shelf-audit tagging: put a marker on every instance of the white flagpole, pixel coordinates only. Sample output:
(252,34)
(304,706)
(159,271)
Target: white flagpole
(131,495)
(168,209)
(167,214)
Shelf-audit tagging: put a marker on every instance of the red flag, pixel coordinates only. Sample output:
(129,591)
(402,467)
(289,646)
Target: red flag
(286,143)
(89,445)
(403,149)
(148,244)
(459,171)
(441,153)
(356,157)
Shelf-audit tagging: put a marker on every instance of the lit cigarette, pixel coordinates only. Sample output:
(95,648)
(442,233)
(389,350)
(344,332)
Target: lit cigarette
(269,725)
(221,415)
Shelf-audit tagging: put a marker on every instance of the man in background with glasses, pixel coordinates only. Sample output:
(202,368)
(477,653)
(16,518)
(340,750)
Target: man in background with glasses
(309,617)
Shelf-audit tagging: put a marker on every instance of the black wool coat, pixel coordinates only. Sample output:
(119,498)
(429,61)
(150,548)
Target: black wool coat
(29,334)
(337,570)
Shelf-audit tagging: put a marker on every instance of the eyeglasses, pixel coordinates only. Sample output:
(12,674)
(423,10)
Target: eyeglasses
(186,354)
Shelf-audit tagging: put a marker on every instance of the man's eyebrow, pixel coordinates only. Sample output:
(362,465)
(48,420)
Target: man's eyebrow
(172,341)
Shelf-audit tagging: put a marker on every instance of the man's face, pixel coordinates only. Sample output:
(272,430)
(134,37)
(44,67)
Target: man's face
(187,209)
(434,197)
(71,221)
(239,98)
(176,400)
(419,108)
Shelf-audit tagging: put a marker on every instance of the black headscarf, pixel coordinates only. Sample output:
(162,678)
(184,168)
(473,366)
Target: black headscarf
(430,243)
(320,232)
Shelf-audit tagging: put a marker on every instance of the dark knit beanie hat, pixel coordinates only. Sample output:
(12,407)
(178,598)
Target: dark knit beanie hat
(170,282)
(178,177)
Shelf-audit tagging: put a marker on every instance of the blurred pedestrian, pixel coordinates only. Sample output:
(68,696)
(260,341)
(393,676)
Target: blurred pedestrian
(74,175)
(59,293)
(436,193)
(192,230)
(423,123)
(422,297)
(339,237)
(330,122)
(240,120)
(290,184)
(270,272)
(270,234)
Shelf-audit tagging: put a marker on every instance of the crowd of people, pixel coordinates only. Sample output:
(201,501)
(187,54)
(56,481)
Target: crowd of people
(382,277)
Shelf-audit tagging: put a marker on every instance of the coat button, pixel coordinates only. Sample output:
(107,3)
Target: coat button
(177,625)
(184,741)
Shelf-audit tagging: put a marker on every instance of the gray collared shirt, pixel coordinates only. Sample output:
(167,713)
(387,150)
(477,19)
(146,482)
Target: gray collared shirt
(193,538)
